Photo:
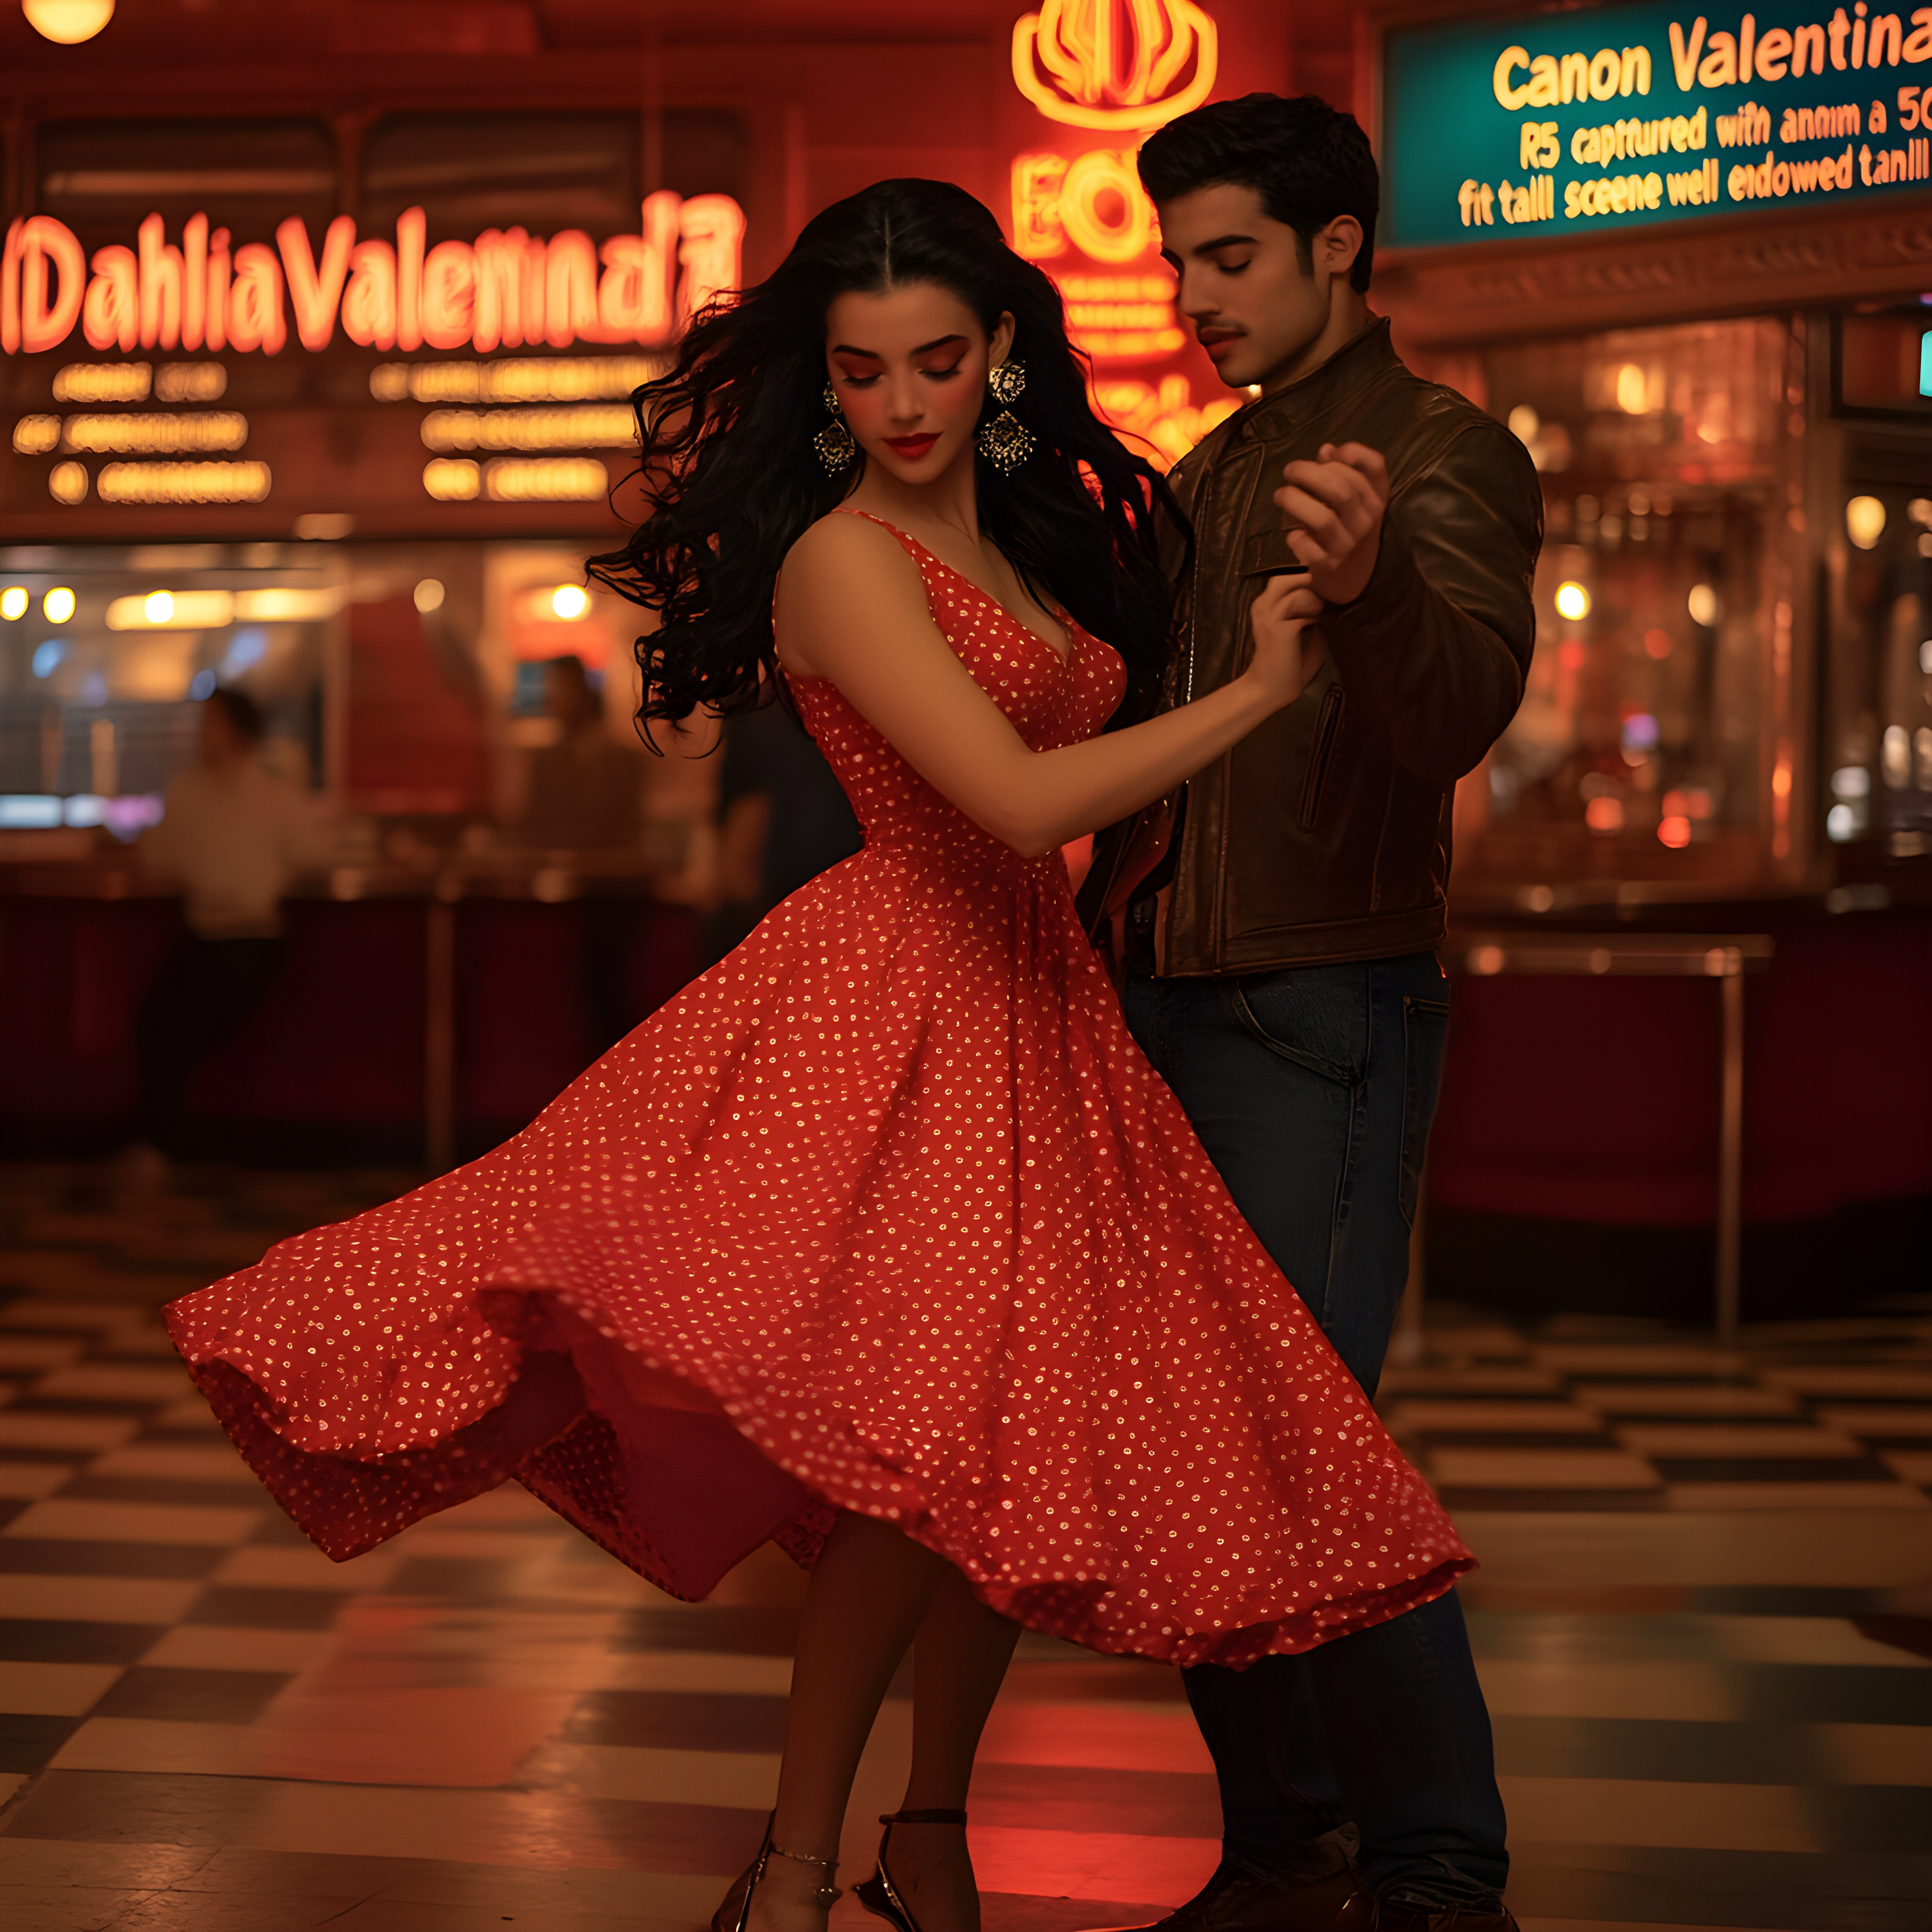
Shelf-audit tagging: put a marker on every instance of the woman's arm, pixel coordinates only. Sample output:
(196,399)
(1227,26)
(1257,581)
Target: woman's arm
(851,609)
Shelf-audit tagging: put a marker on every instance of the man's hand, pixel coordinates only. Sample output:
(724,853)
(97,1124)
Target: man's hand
(1336,504)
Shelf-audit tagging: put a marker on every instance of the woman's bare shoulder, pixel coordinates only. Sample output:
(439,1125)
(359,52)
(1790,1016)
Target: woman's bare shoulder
(842,574)
(842,540)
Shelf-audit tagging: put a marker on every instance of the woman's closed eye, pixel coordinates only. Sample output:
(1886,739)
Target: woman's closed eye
(871,378)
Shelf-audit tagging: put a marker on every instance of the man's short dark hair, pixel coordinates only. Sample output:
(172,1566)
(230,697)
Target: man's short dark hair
(1308,161)
(244,714)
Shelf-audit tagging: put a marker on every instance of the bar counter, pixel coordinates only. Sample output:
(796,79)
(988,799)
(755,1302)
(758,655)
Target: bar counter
(427,1011)
(423,1012)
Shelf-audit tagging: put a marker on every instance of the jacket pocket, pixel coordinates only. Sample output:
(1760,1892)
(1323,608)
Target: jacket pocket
(1267,554)
(1328,727)
(1425,1028)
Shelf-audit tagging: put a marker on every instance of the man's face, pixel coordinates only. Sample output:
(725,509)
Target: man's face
(1254,301)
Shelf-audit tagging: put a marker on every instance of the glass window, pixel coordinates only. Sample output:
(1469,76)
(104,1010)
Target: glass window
(1655,742)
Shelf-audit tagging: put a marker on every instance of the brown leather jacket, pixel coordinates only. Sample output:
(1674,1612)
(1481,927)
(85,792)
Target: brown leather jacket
(1323,835)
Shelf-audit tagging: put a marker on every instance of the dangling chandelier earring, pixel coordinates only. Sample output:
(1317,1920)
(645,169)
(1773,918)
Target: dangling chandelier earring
(1006,442)
(834,442)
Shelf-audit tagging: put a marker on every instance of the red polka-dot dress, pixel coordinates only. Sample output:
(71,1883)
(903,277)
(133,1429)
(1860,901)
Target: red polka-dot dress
(885,1213)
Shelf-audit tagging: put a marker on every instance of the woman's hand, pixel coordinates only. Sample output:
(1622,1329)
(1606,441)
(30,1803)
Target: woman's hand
(1286,656)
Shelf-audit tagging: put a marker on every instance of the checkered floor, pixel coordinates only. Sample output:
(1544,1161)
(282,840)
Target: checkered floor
(1703,1622)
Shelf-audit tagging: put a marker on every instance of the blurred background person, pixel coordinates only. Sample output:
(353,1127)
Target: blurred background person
(233,835)
(783,819)
(586,796)
(586,791)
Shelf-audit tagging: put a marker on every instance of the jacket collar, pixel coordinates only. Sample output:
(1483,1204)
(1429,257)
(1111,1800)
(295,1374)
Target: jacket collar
(1366,355)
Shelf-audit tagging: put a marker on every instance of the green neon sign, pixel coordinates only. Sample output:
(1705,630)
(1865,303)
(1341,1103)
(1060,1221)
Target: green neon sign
(1532,127)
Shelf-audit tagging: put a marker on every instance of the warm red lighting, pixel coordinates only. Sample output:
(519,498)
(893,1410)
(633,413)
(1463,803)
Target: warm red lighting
(1657,644)
(1675,832)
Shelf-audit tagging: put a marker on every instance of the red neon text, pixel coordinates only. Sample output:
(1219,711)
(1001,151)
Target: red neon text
(507,290)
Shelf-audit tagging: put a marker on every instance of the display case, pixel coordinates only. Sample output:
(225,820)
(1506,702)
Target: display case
(1877,700)
(1659,750)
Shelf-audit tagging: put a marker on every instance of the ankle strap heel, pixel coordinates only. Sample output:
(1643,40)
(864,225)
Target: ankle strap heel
(878,1894)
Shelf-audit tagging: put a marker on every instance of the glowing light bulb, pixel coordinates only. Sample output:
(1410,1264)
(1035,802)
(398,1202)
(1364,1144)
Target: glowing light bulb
(1573,601)
(158,606)
(14,602)
(570,601)
(68,22)
(1865,521)
(58,604)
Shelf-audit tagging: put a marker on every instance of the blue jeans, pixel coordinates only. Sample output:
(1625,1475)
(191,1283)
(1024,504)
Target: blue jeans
(1312,1090)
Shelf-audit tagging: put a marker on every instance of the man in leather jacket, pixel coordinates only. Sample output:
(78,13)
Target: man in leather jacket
(1273,924)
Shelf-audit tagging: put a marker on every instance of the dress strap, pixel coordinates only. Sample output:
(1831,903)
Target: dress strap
(914,548)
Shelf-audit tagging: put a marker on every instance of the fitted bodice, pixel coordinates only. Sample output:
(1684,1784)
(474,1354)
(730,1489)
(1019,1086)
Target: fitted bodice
(1050,700)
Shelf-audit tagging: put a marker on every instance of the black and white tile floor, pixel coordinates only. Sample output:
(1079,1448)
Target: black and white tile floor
(1704,1623)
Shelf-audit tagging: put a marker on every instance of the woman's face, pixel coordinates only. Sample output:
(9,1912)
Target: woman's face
(909,368)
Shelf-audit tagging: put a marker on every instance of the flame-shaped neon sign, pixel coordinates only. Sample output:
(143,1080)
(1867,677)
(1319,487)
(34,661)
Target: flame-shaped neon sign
(1117,64)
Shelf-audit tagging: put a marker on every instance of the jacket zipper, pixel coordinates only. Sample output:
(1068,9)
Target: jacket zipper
(1327,727)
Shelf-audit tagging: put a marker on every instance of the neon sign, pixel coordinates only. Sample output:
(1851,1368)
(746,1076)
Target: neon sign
(507,290)
(1073,63)
(1119,67)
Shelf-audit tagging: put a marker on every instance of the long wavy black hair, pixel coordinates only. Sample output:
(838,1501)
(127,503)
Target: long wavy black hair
(731,479)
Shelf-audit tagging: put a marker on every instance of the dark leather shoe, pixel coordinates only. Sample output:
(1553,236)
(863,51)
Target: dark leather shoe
(1237,1899)
(1364,1913)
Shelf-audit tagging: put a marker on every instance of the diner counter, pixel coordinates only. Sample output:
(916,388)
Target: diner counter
(427,1011)
(423,1012)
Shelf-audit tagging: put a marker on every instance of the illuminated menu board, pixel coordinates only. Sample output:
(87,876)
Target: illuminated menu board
(1530,127)
(458,355)
(297,414)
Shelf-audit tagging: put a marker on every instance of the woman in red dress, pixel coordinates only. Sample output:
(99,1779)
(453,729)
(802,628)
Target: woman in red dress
(881,1241)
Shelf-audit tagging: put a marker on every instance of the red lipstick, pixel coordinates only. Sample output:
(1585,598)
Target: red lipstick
(912,448)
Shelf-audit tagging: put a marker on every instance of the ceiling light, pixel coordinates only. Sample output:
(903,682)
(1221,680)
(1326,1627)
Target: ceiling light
(58,604)
(1865,521)
(570,601)
(13,601)
(172,610)
(68,22)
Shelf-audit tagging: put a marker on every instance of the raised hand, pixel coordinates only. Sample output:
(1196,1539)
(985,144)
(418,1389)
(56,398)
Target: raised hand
(1335,507)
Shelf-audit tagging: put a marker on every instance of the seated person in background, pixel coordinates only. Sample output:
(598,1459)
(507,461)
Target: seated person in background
(586,791)
(783,819)
(231,837)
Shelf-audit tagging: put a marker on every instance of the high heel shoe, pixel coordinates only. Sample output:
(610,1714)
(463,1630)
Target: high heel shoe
(878,1894)
(735,1914)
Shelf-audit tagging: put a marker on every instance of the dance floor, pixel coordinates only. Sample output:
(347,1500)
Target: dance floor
(1704,1623)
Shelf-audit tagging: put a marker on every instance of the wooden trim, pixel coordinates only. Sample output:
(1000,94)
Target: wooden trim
(1738,266)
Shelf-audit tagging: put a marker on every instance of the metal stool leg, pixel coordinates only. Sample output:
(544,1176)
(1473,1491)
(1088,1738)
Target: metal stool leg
(1731,1159)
